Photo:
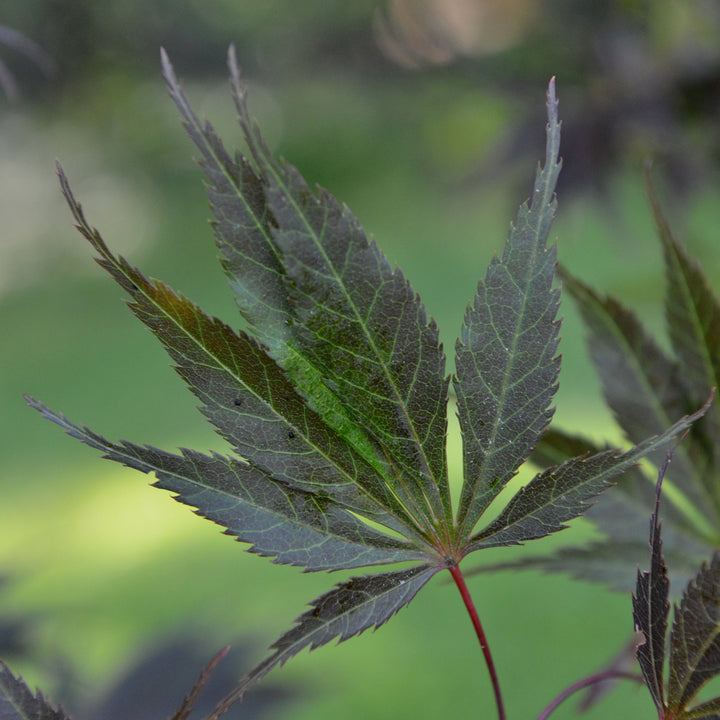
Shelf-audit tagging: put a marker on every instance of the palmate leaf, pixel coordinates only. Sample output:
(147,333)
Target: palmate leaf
(334,396)
(18,702)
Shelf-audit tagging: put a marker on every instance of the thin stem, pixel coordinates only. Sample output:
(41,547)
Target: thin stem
(191,698)
(465,593)
(586,682)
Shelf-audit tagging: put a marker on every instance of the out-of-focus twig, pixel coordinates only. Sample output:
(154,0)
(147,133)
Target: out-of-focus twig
(30,49)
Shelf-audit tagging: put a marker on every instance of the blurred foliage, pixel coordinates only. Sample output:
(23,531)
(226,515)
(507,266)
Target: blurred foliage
(432,157)
(637,77)
(640,77)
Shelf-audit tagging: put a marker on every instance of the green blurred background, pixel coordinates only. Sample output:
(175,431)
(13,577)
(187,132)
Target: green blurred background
(426,117)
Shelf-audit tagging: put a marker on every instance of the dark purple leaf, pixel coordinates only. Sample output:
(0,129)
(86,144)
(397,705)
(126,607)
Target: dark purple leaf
(692,311)
(651,609)
(693,318)
(695,637)
(335,396)
(641,384)
(18,702)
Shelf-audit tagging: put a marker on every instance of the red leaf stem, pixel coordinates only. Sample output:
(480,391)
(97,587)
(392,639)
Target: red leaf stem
(465,593)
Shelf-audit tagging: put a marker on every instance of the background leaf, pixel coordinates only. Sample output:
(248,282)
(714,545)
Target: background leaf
(692,312)
(17,702)
(640,384)
(695,637)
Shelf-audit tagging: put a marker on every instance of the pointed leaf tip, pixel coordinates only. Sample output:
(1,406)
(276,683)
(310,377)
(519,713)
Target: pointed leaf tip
(236,83)
(165,62)
(168,71)
(506,360)
(18,702)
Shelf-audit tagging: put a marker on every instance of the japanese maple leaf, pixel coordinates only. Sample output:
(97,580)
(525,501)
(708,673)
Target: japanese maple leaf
(334,398)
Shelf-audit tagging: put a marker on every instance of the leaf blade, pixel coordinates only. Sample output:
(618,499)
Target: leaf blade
(560,494)
(248,398)
(292,526)
(709,709)
(347,610)
(692,309)
(358,321)
(251,259)
(692,312)
(641,385)
(506,357)
(651,608)
(242,224)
